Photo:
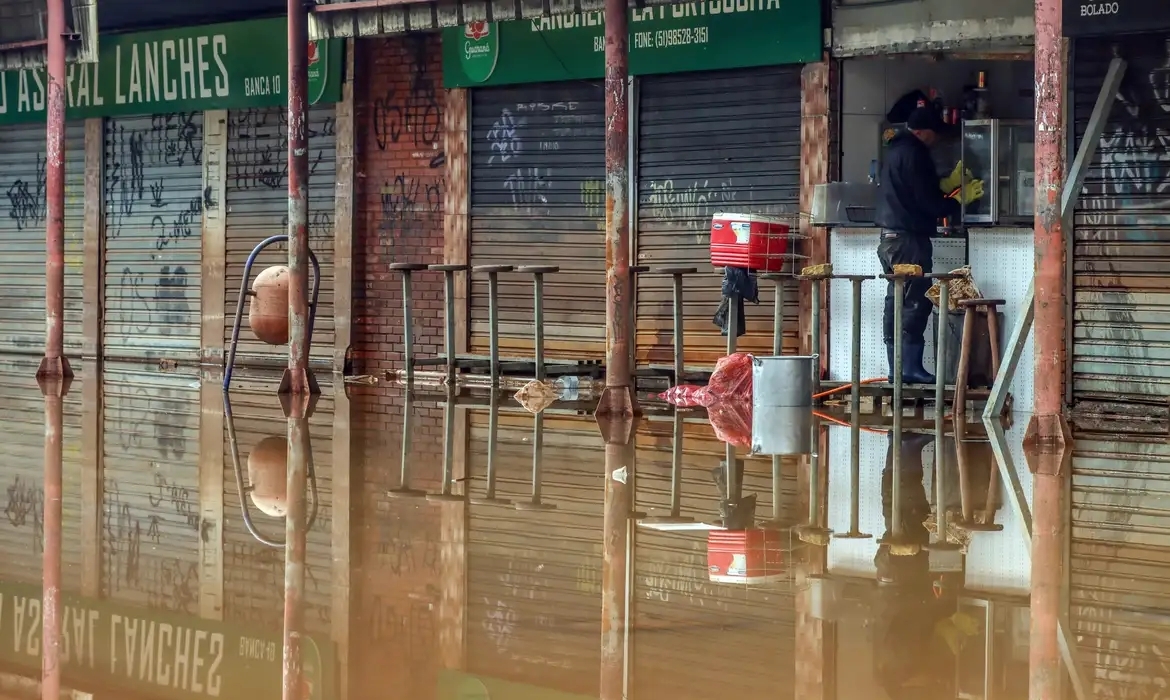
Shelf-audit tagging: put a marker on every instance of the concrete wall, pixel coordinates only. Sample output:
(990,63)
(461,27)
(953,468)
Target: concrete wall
(866,27)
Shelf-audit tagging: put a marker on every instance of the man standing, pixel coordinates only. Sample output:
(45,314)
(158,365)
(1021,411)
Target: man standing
(910,202)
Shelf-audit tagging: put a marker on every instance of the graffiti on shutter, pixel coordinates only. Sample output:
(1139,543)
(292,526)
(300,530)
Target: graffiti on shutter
(1121,246)
(257,207)
(23,217)
(153,239)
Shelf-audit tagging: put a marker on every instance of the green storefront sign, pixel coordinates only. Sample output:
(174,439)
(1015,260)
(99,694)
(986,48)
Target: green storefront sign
(708,35)
(218,66)
(156,654)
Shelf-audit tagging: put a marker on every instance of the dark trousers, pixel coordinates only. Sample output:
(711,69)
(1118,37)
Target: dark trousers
(907,249)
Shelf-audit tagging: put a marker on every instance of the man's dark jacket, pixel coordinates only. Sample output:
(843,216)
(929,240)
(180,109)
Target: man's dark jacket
(909,199)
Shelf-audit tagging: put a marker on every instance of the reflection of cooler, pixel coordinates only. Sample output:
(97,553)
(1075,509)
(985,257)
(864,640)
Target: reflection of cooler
(745,556)
(749,241)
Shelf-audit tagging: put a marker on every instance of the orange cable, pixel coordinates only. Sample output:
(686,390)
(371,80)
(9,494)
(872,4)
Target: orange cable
(838,421)
(844,387)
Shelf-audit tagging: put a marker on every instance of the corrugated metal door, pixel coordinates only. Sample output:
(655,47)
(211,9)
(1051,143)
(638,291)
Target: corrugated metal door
(675,598)
(538,198)
(1120,554)
(535,577)
(254,572)
(22,417)
(23,216)
(150,533)
(257,207)
(1121,254)
(709,142)
(154,226)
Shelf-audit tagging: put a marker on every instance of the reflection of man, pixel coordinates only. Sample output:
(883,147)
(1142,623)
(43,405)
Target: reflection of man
(910,203)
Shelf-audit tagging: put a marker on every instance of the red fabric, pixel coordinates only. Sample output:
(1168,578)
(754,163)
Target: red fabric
(684,395)
(732,379)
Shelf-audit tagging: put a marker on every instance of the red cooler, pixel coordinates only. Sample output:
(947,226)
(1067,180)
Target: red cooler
(745,556)
(749,240)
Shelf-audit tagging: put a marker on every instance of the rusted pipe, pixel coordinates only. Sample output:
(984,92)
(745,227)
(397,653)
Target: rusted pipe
(619,497)
(54,363)
(53,392)
(297,379)
(1045,672)
(618,398)
(295,527)
(1049,230)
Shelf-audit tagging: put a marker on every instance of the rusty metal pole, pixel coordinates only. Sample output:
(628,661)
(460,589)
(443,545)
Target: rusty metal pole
(619,501)
(1045,672)
(618,398)
(1047,420)
(298,378)
(295,526)
(54,363)
(53,390)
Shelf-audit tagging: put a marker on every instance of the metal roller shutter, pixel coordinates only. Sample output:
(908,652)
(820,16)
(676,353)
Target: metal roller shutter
(257,207)
(1121,253)
(253,572)
(538,198)
(23,217)
(677,603)
(150,534)
(22,413)
(708,142)
(534,577)
(154,226)
(1119,558)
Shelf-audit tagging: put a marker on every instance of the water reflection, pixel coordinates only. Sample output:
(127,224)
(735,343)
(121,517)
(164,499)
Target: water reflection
(721,579)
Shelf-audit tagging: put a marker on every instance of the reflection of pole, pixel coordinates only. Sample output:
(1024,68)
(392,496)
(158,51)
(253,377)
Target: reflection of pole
(298,378)
(618,399)
(299,454)
(54,394)
(54,363)
(619,465)
(1048,523)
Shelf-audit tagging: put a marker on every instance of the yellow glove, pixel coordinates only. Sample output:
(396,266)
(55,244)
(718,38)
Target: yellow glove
(971,192)
(950,182)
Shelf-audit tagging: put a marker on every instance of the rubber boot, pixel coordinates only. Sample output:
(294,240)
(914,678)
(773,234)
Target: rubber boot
(912,370)
(890,361)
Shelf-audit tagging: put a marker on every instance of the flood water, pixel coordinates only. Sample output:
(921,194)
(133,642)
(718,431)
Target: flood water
(173,561)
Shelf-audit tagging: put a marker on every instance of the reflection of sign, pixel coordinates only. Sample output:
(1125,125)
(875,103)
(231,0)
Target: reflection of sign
(156,654)
(708,35)
(219,66)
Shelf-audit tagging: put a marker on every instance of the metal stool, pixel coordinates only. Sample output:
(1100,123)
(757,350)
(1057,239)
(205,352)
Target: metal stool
(967,519)
(815,293)
(449,314)
(538,272)
(404,490)
(855,532)
(813,532)
(407,270)
(778,312)
(493,274)
(493,447)
(676,274)
(676,467)
(534,503)
(970,308)
(446,494)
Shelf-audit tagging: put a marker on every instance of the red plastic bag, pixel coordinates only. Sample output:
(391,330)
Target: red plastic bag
(732,422)
(731,380)
(685,395)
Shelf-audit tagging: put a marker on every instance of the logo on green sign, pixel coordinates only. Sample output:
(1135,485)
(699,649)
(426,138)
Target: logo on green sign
(481,50)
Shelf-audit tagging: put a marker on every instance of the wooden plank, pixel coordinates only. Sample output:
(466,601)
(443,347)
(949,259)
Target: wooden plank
(93,266)
(342,543)
(343,219)
(456,202)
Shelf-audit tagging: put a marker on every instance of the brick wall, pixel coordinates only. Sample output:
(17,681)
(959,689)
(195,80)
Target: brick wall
(399,193)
